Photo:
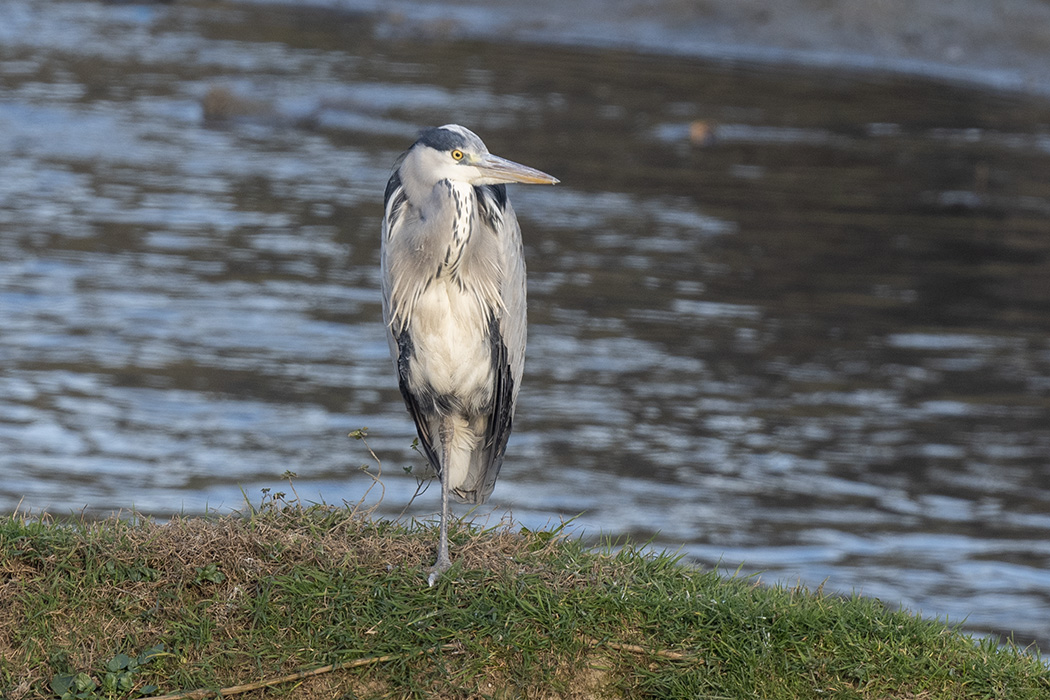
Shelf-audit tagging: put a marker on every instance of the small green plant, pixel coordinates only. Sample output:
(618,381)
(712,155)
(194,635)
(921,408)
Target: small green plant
(209,573)
(118,680)
(277,500)
(69,686)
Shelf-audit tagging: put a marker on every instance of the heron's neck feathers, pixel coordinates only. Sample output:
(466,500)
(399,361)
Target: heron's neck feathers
(447,234)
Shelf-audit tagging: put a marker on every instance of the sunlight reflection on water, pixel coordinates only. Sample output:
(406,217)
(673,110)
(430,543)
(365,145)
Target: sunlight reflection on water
(816,344)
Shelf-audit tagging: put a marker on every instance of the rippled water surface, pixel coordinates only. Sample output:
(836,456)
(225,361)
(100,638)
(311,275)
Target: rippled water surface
(813,339)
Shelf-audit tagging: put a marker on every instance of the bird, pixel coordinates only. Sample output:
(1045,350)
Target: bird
(453,285)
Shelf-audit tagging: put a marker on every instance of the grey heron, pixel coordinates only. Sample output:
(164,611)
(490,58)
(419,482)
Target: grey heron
(453,277)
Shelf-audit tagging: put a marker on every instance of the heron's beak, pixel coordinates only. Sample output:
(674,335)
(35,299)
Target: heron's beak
(495,170)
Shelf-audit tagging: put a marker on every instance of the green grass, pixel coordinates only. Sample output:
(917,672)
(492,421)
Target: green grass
(118,609)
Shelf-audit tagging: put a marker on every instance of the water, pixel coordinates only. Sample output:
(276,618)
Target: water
(814,343)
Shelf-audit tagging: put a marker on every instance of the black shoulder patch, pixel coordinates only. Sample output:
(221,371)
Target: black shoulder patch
(441,139)
(498,193)
(391,186)
(492,204)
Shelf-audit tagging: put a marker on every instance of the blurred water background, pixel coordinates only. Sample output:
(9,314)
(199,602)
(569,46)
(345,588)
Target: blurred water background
(783,317)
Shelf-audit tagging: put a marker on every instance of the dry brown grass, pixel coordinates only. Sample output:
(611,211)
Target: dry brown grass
(248,600)
(169,559)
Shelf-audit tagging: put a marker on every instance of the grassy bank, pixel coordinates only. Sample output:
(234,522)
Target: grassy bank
(321,603)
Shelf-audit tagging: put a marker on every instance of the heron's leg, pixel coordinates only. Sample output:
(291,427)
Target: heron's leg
(443,560)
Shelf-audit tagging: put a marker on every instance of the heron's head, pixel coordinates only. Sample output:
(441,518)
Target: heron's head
(455,153)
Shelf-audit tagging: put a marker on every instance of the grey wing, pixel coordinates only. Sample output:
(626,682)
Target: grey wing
(513,323)
(398,338)
(508,333)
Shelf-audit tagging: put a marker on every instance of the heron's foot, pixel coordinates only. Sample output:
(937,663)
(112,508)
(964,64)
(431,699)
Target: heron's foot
(442,565)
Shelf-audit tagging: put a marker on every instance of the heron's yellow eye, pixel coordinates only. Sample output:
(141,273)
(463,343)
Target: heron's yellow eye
(457,154)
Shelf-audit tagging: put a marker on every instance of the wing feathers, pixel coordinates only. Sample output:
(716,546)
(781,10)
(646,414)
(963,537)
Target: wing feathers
(488,459)
(417,405)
